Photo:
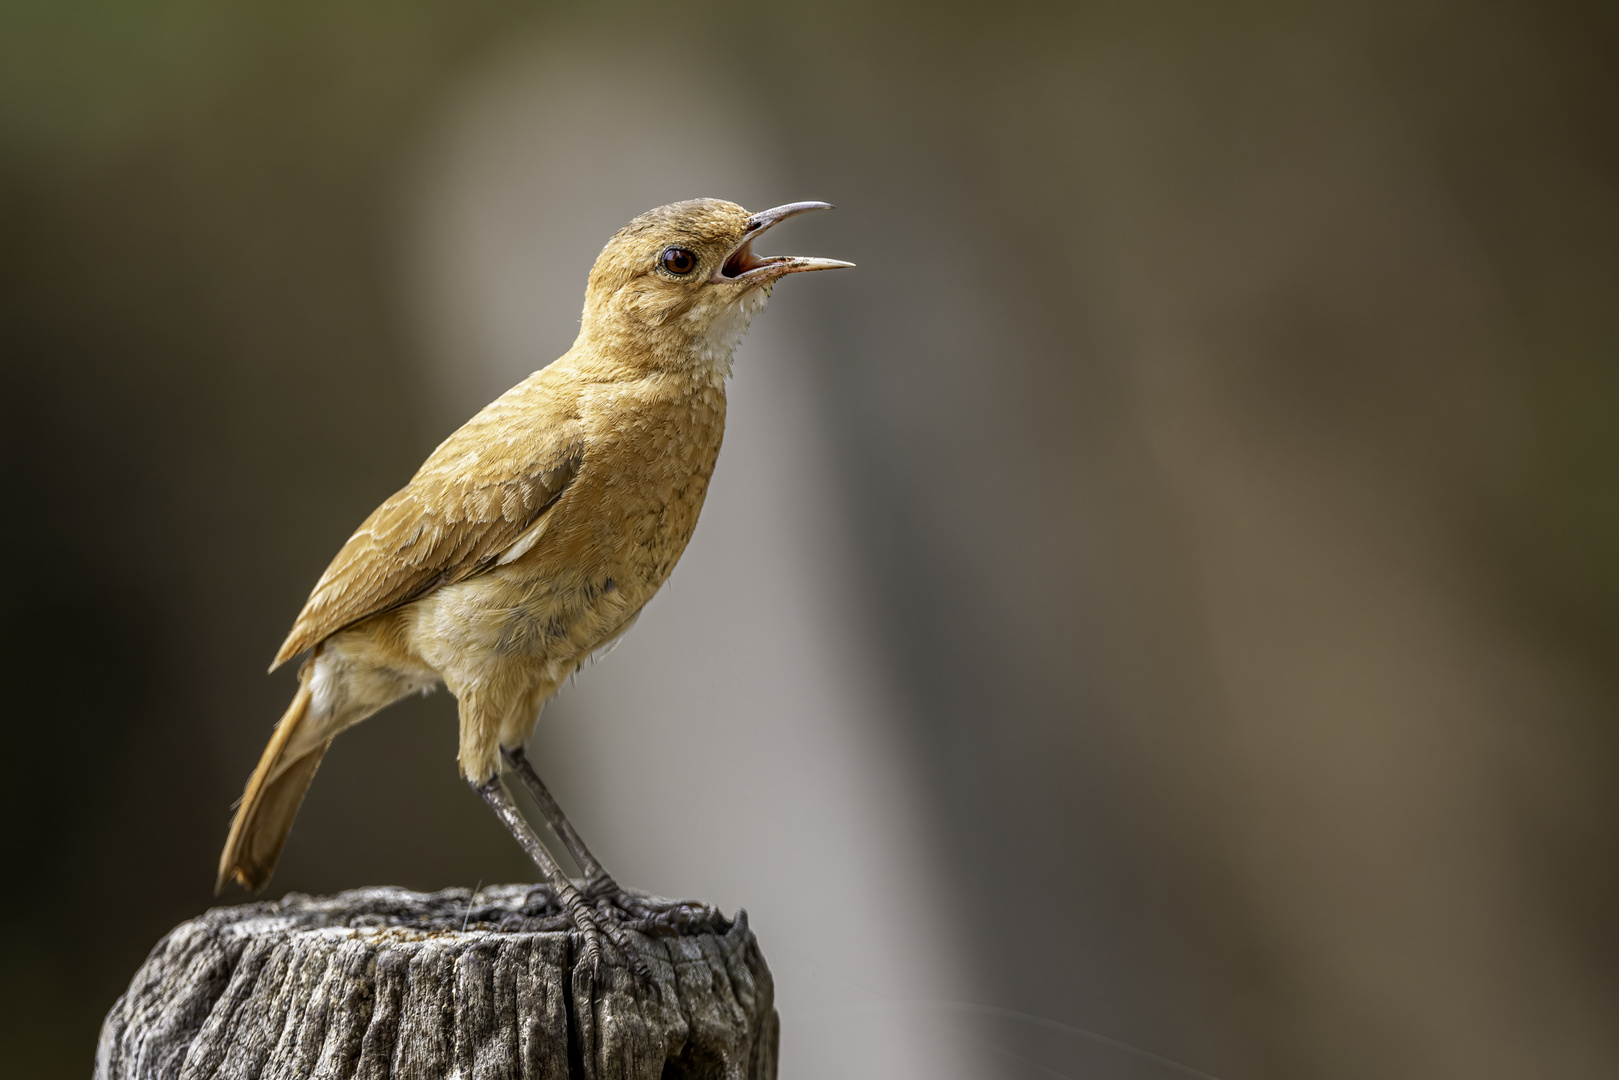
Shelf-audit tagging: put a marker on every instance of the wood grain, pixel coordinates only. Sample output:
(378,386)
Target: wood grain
(384,982)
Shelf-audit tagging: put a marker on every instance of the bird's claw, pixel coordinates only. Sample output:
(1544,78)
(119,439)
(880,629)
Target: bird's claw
(609,896)
(600,907)
(585,920)
(651,915)
(605,919)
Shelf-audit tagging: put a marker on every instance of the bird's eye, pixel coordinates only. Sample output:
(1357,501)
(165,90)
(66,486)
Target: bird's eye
(679,261)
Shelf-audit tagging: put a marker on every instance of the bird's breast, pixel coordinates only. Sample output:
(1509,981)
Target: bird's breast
(611,540)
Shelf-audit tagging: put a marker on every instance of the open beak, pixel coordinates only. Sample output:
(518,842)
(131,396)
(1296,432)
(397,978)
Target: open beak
(743,265)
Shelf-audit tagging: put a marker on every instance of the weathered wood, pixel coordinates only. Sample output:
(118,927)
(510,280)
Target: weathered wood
(385,982)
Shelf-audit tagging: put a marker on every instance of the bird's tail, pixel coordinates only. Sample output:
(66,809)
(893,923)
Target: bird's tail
(271,800)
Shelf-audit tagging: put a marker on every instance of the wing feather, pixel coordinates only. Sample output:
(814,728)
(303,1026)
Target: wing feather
(455,518)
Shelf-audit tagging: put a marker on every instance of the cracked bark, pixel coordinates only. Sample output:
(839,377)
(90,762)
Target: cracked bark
(383,982)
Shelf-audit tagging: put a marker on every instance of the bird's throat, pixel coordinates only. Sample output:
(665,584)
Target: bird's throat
(714,344)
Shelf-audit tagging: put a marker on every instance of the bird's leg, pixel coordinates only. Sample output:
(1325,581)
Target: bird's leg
(500,801)
(597,881)
(650,916)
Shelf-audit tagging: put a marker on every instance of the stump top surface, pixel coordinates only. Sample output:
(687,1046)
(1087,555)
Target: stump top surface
(386,982)
(407,915)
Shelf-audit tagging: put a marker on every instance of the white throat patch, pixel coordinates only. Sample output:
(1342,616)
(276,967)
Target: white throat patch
(718,345)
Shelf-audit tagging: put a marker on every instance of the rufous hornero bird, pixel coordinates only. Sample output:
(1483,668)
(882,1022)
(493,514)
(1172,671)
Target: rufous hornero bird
(532,537)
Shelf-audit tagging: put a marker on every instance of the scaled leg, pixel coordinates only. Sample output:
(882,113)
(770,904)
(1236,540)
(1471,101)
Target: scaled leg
(595,876)
(651,916)
(500,801)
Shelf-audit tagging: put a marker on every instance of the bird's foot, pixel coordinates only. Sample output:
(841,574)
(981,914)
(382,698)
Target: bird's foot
(596,918)
(584,920)
(610,896)
(614,915)
(606,920)
(655,916)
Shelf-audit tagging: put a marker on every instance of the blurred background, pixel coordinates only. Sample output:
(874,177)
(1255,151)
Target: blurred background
(1159,616)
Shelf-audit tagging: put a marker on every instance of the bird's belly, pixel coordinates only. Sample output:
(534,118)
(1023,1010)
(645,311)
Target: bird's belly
(542,616)
(495,620)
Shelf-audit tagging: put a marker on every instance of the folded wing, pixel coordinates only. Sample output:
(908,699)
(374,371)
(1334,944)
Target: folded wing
(453,521)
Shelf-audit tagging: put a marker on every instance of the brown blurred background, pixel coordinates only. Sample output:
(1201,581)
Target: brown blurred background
(1168,594)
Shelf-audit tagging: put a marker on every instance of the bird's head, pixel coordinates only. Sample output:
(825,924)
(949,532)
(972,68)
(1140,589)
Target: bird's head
(681,282)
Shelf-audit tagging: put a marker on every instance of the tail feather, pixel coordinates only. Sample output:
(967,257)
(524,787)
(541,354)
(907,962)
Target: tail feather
(274,793)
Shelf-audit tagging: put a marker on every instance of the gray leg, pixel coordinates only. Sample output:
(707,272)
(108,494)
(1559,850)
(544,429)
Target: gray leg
(517,759)
(494,793)
(649,915)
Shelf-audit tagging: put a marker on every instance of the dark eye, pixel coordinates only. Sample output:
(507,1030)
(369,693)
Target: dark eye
(679,261)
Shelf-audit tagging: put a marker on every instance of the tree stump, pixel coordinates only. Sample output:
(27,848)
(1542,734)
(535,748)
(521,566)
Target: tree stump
(384,982)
